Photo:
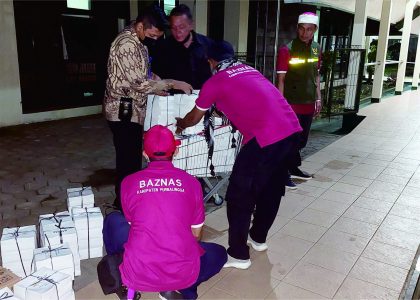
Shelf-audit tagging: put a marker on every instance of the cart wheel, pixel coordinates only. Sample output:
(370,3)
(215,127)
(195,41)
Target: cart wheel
(217,199)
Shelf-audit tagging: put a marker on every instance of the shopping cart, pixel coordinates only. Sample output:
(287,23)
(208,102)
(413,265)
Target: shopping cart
(209,160)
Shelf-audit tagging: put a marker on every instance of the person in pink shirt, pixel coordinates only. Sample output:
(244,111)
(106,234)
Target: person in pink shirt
(270,129)
(165,208)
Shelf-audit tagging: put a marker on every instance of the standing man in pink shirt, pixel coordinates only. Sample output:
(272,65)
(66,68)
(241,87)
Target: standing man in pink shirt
(165,208)
(298,65)
(269,128)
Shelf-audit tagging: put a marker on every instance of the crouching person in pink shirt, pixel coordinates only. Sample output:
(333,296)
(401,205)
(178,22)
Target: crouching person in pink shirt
(165,208)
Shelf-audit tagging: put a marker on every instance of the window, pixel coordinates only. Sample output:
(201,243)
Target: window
(79,4)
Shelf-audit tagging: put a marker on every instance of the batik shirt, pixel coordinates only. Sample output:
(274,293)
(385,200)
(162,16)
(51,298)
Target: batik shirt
(128,76)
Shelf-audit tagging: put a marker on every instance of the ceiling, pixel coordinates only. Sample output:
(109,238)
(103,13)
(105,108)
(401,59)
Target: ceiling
(374,8)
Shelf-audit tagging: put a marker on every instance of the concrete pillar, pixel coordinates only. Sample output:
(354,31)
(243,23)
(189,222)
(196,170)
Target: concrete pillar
(357,40)
(318,13)
(10,96)
(236,24)
(134,9)
(408,16)
(381,50)
(416,72)
(199,11)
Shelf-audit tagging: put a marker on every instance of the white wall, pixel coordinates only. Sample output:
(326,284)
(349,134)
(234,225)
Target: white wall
(10,98)
(236,24)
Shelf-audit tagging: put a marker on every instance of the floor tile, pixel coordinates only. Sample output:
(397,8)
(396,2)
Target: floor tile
(397,172)
(355,227)
(308,190)
(330,258)
(216,293)
(338,196)
(373,204)
(379,273)
(408,212)
(348,188)
(289,209)
(409,200)
(365,215)
(93,291)
(315,279)
(329,206)
(353,288)
(403,224)
(344,241)
(278,224)
(289,245)
(290,292)
(304,231)
(364,182)
(254,283)
(397,238)
(316,217)
(281,264)
(383,191)
(393,255)
(393,179)
(366,171)
(216,222)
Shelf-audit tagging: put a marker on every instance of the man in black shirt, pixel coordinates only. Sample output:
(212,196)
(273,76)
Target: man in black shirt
(183,55)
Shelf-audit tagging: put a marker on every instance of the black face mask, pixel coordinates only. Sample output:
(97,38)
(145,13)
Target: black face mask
(149,42)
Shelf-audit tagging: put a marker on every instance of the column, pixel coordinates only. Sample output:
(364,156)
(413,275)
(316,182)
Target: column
(381,51)
(408,16)
(199,12)
(416,72)
(358,40)
(10,96)
(236,24)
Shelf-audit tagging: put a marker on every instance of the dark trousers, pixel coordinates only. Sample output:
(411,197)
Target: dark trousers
(305,122)
(127,137)
(257,183)
(115,234)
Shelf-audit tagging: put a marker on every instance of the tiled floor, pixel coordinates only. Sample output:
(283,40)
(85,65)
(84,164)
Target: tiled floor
(349,233)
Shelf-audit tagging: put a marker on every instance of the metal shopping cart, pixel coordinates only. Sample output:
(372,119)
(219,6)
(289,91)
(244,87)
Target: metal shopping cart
(209,160)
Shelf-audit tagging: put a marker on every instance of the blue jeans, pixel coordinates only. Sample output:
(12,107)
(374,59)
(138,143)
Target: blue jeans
(115,233)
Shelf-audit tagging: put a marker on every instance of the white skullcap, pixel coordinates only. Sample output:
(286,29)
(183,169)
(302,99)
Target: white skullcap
(308,18)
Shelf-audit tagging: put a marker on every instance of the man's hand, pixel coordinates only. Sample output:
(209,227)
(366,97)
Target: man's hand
(179,127)
(155,77)
(183,86)
(318,106)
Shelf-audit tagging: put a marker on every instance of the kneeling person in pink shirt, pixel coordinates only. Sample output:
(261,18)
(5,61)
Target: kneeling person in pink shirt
(165,208)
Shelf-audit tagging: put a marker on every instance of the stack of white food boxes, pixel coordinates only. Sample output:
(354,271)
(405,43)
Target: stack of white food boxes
(80,197)
(56,229)
(89,223)
(45,284)
(57,258)
(6,293)
(17,248)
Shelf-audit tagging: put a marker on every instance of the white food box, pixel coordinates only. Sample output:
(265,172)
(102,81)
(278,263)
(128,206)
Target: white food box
(89,224)
(6,293)
(57,258)
(80,197)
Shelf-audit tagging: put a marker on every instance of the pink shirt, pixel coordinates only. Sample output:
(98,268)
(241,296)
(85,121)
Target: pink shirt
(251,102)
(162,203)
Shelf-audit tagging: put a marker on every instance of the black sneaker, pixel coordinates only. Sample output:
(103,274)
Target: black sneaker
(299,174)
(170,295)
(290,184)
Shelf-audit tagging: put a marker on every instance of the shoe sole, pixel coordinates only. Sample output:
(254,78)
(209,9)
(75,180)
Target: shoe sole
(241,267)
(263,248)
(301,178)
(291,187)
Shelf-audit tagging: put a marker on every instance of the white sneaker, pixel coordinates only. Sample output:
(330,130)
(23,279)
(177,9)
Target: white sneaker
(242,264)
(257,246)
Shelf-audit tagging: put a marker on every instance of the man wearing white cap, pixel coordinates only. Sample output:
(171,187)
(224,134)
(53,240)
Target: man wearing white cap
(298,65)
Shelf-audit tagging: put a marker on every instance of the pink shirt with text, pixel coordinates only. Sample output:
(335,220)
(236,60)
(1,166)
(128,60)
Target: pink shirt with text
(251,102)
(162,203)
